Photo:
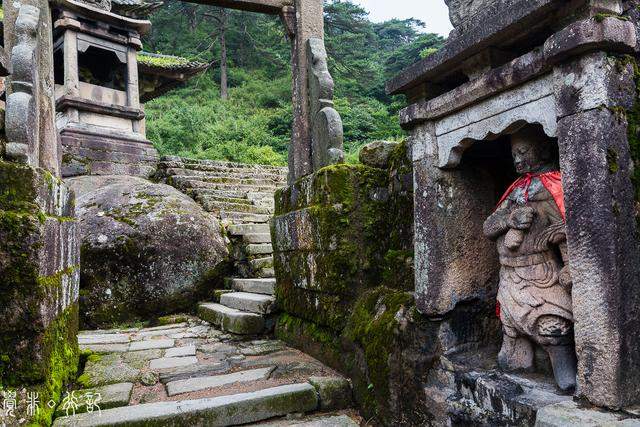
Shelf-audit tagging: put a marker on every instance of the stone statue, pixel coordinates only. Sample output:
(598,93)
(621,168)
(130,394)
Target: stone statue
(534,294)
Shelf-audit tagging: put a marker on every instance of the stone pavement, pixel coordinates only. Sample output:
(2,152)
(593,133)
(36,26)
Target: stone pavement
(190,373)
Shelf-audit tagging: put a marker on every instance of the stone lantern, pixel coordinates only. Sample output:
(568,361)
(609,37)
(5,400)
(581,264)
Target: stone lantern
(99,115)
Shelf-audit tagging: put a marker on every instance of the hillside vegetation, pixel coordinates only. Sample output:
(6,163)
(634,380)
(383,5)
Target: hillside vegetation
(253,123)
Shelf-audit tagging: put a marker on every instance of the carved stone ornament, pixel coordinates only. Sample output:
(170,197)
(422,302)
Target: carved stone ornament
(534,293)
(326,124)
(22,137)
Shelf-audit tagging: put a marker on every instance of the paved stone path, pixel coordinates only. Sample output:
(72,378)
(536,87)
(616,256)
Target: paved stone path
(190,372)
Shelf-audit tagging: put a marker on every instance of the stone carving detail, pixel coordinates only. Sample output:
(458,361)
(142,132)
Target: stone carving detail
(325,122)
(22,135)
(534,294)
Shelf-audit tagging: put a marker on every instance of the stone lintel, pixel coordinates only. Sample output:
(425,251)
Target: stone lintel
(492,31)
(610,34)
(272,7)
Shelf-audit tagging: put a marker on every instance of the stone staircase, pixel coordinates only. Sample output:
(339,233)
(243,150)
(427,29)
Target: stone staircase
(242,197)
(192,374)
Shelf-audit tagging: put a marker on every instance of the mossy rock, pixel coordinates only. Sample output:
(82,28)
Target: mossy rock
(147,250)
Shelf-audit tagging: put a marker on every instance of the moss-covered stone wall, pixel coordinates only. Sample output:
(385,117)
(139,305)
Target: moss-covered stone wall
(39,271)
(343,253)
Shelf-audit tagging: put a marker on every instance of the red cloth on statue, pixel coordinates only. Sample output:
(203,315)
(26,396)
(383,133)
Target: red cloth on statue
(552,181)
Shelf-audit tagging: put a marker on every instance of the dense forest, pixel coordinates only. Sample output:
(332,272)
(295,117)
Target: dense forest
(240,109)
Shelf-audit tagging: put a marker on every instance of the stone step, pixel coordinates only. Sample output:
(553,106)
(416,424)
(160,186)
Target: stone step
(229,410)
(243,217)
(256,286)
(218,165)
(232,320)
(254,238)
(212,205)
(242,229)
(231,181)
(246,301)
(232,173)
(261,263)
(259,249)
(213,381)
(186,183)
(265,273)
(245,194)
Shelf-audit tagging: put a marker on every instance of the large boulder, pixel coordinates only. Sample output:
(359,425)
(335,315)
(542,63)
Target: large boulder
(147,250)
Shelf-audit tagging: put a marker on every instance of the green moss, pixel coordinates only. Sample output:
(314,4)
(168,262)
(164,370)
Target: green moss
(612,161)
(162,61)
(600,17)
(56,280)
(633,133)
(373,325)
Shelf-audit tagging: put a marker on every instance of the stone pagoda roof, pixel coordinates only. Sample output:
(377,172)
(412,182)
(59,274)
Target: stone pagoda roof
(135,8)
(161,73)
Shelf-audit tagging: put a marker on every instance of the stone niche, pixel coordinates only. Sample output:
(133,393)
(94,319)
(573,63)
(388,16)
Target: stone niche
(567,69)
(99,116)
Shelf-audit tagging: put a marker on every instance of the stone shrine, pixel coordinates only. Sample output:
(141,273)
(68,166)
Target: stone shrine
(566,71)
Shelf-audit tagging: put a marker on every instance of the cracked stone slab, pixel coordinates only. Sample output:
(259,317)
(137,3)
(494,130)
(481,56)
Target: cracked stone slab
(203,383)
(193,371)
(172,362)
(106,397)
(103,339)
(151,344)
(188,350)
(221,411)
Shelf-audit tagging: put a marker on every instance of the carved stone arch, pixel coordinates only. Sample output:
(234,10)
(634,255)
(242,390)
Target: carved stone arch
(532,103)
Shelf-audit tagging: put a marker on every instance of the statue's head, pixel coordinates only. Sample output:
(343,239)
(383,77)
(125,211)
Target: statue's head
(532,151)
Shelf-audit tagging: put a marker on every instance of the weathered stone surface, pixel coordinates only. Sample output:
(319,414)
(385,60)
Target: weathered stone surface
(138,359)
(254,303)
(377,154)
(315,421)
(203,383)
(188,350)
(106,397)
(263,348)
(147,249)
(232,320)
(172,362)
(152,344)
(570,414)
(324,121)
(39,276)
(218,411)
(256,286)
(107,369)
(601,234)
(105,348)
(334,392)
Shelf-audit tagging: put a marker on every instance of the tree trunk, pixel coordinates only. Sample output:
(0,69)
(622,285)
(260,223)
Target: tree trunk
(224,84)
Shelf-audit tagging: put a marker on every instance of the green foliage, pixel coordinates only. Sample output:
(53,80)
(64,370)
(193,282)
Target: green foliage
(254,125)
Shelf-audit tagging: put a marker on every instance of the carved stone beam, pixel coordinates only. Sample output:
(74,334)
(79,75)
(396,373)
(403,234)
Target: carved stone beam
(20,116)
(272,7)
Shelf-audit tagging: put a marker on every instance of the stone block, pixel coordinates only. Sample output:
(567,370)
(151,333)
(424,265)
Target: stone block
(377,154)
(253,303)
(334,392)
(218,411)
(172,362)
(232,320)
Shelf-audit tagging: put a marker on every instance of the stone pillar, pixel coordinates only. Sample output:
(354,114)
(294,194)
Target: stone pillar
(593,93)
(309,23)
(133,93)
(71,77)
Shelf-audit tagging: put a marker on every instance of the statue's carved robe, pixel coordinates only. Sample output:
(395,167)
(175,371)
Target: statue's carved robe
(532,300)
